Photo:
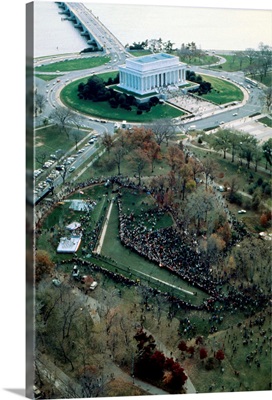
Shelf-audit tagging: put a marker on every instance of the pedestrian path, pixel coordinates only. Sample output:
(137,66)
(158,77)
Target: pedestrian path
(104,229)
(115,372)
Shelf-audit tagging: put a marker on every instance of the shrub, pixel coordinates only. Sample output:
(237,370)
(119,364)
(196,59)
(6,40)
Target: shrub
(219,355)
(203,353)
(263,220)
(267,189)
(210,364)
(246,203)
(236,198)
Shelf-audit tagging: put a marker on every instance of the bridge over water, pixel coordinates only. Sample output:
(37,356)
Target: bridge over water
(85,21)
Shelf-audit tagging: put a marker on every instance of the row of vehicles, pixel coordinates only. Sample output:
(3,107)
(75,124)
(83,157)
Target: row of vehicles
(55,169)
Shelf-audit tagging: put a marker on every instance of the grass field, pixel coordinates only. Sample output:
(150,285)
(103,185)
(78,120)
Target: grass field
(74,65)
(199,61)
(104,110)
(267,121)
(223,92)
(233,63)
(49,139)
(139,53)
(250,376)
(48,77)
(54,224)
(267,80)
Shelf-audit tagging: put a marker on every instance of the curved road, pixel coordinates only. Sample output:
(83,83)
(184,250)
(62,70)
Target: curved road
(250,105)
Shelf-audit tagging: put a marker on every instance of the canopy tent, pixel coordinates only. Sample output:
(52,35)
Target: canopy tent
(69,245)
(80,205)
(73,226)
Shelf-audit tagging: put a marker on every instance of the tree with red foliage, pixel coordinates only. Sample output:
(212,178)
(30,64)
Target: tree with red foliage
(203,353)
(169,362)
(219,355)
(182,346)
(174,376)
(157,361)
(43,265)
(191,350)
(153,151)
(199,340)
(178,377)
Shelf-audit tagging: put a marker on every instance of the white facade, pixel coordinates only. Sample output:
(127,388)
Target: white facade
(145,74)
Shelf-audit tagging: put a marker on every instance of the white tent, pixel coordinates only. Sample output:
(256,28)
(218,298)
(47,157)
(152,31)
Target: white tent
(70,245)
(73,226)
(79,205)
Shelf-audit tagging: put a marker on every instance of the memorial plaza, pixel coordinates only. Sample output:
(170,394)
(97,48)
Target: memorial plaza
(147,74)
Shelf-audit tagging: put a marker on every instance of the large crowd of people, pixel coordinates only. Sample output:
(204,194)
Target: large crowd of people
(169,248)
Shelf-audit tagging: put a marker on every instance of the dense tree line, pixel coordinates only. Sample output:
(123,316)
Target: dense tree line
(203,88)
(97,90)
(151,364)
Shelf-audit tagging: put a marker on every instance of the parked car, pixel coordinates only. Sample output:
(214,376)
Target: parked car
(72,169)
(93,285)
(56,282)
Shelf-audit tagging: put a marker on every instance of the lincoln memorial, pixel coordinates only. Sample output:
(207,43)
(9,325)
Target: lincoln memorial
(144,75)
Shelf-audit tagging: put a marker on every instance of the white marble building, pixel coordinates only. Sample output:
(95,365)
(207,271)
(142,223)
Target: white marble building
(144,75)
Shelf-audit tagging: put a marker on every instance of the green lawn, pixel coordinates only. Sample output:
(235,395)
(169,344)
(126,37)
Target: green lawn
(105,111)
(233,63)
(49,139)
(267,121)
(62,215)
(202,60)
(223,92)
(74,65)
(139,53)
(46,77)
(267,80)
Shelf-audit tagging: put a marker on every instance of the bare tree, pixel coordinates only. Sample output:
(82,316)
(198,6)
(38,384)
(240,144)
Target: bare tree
(76,137)
(40,159)
(139,161)
(118,155)
(209,167)
(175,158)
(163,130)
(40,101)
(61,116)
(107,142)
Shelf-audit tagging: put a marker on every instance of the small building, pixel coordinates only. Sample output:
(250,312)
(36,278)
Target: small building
(146,74)
(69,245)
(80,205)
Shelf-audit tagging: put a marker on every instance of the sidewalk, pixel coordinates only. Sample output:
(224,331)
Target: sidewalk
(116,372)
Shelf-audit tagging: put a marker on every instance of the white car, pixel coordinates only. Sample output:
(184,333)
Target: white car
(72,169)
(242,212)
(93,285)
